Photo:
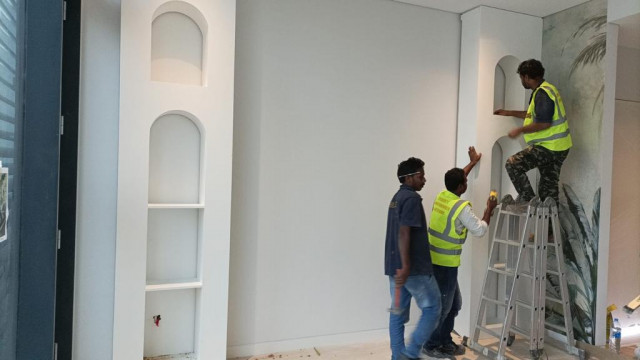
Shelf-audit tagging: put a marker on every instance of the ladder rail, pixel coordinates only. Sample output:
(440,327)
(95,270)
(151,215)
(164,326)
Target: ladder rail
(504,216)
(480,318)
(479,321)
(561,269)
(542,233)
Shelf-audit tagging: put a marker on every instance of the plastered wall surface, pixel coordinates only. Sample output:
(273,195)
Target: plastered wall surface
(330,97)
(485,41)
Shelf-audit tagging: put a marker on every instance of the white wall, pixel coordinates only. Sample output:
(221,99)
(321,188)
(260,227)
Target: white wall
(97,179)
(622,16)
(624,247)
(330,97)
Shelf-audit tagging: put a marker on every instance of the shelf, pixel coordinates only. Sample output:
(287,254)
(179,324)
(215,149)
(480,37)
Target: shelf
(176,206)
(173,285)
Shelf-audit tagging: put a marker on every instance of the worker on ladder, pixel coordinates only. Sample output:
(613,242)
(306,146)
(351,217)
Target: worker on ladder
(451,219)
(546,131)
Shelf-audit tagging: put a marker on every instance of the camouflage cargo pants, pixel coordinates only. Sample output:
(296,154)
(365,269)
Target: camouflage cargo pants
(548,163)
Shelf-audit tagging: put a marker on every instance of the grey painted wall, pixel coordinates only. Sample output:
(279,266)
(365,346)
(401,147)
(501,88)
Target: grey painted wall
(10,132)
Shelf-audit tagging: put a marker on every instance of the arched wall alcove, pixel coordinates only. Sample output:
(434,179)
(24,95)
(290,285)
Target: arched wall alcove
(174,234)
(508,92)
(502,149)
(175,158)
(178,38)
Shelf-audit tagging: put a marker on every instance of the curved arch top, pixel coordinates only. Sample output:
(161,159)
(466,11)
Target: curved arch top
(194,119)
(178,38)
(175,153)
(183,8)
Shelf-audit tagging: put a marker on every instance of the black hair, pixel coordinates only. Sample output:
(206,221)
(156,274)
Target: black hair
(532,68)
(409,166)
(453,178)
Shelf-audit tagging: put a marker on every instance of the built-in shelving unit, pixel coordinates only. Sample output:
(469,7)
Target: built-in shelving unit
(493,42)
(174,233)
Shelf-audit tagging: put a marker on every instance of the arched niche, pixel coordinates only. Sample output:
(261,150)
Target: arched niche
(175,153)
(508,92)
(178,38)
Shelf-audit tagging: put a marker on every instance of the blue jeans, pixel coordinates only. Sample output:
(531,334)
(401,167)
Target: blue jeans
(447,278)
(424,289)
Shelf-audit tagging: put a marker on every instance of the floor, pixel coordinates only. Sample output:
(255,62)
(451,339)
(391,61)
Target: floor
(380,351)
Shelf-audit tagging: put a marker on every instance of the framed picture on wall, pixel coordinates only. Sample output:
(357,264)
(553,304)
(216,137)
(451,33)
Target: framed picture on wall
(4,202)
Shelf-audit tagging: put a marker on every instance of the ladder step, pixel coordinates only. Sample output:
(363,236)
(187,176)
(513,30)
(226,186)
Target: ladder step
(553,326)
(520,331)
(500,271)
(526,274)
(524,304)
(515,243)
(494,301)
(559,301)
(490,332)
(522,213)
(507,242)
(553,272)
(505,304)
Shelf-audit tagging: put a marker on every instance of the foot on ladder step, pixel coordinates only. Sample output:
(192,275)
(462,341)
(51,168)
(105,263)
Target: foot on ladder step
(507,199)
(516,205)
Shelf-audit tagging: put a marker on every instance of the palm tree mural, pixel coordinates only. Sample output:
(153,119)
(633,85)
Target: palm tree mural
(579,232)
(595,50)
(580,247)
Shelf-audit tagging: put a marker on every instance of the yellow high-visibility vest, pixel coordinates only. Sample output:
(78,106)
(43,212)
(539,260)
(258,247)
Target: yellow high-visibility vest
(557,136)
(445,243)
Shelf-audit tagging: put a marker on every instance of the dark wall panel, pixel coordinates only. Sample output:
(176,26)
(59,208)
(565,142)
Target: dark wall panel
(41,136)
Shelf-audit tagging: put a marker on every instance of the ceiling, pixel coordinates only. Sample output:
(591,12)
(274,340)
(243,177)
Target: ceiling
(629,34)
(539,8)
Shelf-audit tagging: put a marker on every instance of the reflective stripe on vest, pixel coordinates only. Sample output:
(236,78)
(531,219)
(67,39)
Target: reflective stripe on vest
(444,242)
(557,137)
(445,251)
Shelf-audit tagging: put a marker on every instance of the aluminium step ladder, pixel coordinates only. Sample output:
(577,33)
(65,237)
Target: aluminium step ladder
(515,282)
